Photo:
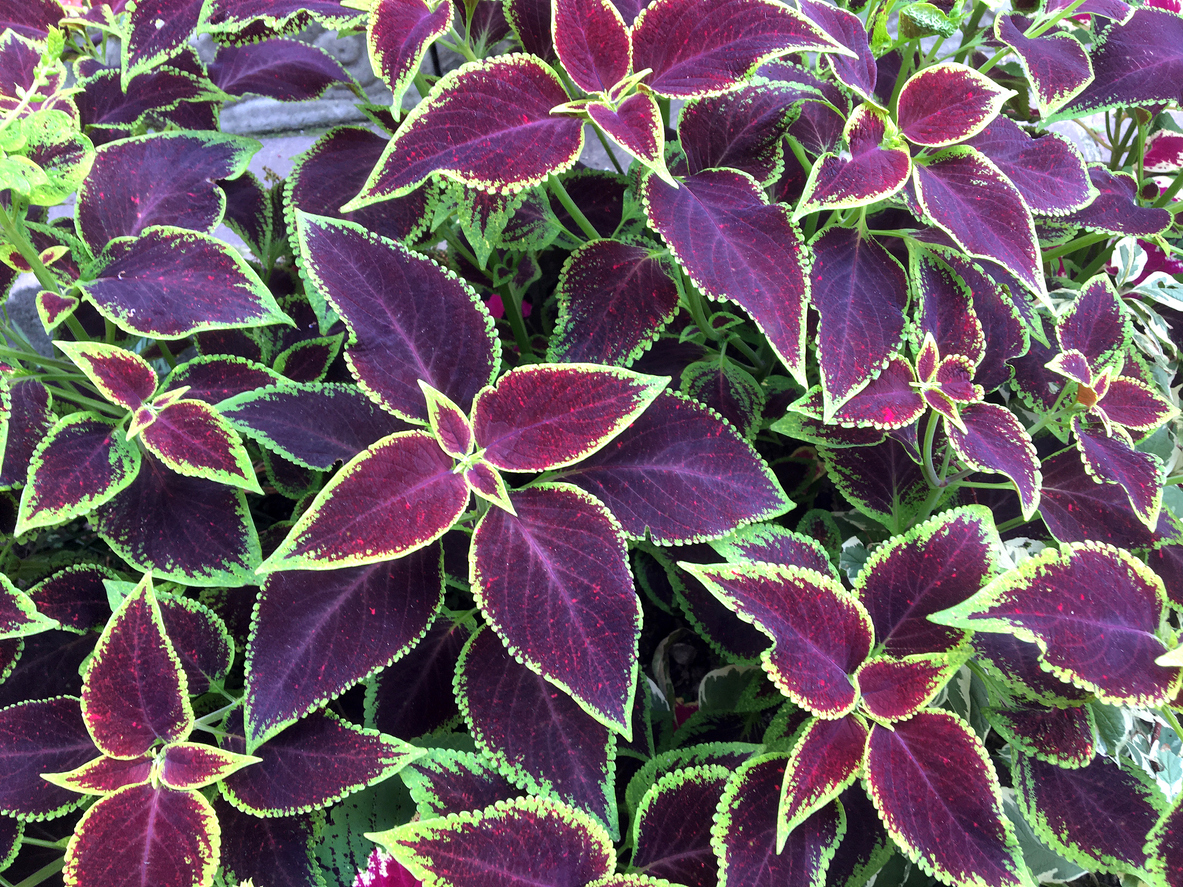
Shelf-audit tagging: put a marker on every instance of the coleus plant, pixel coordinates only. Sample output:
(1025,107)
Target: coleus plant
(793,499)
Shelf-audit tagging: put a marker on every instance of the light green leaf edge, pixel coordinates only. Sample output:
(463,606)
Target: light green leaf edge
(961,616)
(84,356)
(410,67)
(177,377)
(332,345)
(919,254)
(1156,865)
(289,23)
(215,622)
(231,763)
(244,478)
(443,761)
(31,621)
(729,546)
(1000,97)
(518,774)
(669,783)
(997,719)
(71,780)
(811,804)
(744,388)
(653,770)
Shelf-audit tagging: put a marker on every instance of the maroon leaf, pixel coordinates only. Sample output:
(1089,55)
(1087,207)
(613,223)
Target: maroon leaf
(1060,736)
(847,29)
(969,199)
(287,70)
(1114,460)
(933,784)
(1092,609)
(530,20)
(1018,663)
(192,438)
(315,635)
(742,129)
(134,690)
(105,103)
(1135,405)
(399,33)
(821,634)
(316,761)
(278,848)
(1049,172)
(27,422)
(700,47)
(1116,210)
(947,103)
(674,454)
(1163,848)
(487,125)
(672,826)
(445,781)
(592,42)
(896,689)
(217,377)
(268,17)
(946,309)
(873,168)
(31,19)
(636,126)
(145,835)
(735,246)
(543,417)
(568,558)
(414,695)
(189,765)
(201,640)
(1096,325)
(43,665)
(1076,508)
(121,376)
(47,736)
(1056,64)
(614,299)
(545,740)
(824,762)
(104,776)
(75,597)
(881,481)
(995,440)
(729,390)
(348,526)
(169,283)
(889,401)
(394,303)
(156,30)
(859,291)
(774,544)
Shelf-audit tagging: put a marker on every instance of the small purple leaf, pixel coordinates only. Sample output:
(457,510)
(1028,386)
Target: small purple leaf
(121,376)
(1049,171)
(75,597)
(993,439)
(201,640)
(192,438)
(874,168)
(1116,209)
(217,377)
(399,34)
(1056,64)
(947,103)
(448,423)
(104,776)
(1113,459)
(1076,508)
(189,765)
(1060,736)
(896,689)
(636,126)
(881,481)
(825,761)
(46,736)
(742,129)
(672,826)
(592,42)
(285,70)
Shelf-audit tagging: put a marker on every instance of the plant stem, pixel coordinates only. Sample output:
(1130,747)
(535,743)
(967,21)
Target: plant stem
(1073,245)
(556,188)
(84,401)
(1037,30)
(512,304)
(43,874)
(608,148)
(14,229)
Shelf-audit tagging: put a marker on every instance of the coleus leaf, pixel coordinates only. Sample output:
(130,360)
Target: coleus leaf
(530,21)
(190,765)
(1092,609)
(699,47)
(1060,736)
(192,438)
(399,34)
(881,481)
(31,19)
(134,690)
(993,439)
(81,463)
(742,129)
(821,634)
(675,453)
(155,30)
(592,42)
(1056,64)
(142,834)
(859,291)
(946,307)
(104,775)
(847,29)
(348,526)
(614,299)
(672,825)
(104,103)
(570,561)
(201,640)
(514,843)
(1049,171)
(280,848)
(448,423)
(314,634)
(774,544)
(545,741)
(316,761)
(729,390)
(169,283)
(1113,459)
(543,417)
(825,761)
(947,103)
(1076,508)
(932,782)
(394,302)
(44,736)
(487,125)
(414,695)
(865,846)
(25,419)
(159,179)
(896,689)
(1136,406)
(969,198)
(1098,816)
(268,17)
(735,246)
(446,781)
(875,166)
(1116,210)
(214,378)
(75,597)
(121,376)
(284,70)
(635,125)
(1163,846)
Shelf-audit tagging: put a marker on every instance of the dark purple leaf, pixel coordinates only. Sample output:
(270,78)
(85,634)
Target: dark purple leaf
(1135,405)
(347,525)
(562,555)
(1097,816)
(200,639)
(188,529)
(1018,664)
(614,299)
(735,246)
(881,481)
(933,784)
(75,597)
(43,665)
(27,423)
(825,760)
(867,171)
(888,402)
(487,125)
(847,29)
(1049,171)
(947,103)
(170,283)
(543,417)
(859,291)
(394,303)
(1112,9)
(192,438)
(104,776)
(680,474)
(31,19)
(774,544)
(315,635)
(121,376)
(672,826)
(247,19)
(896,689)
(700,47)
(865,847)
(145,835)
(729,390)
(820,633)
(742,129)
(1114,460)
(1164,847)
(1093,610)
(248,211)
(714,621)
(1076,508)
(967,197)
(316,761)
(543,738)
(530,20)
(592,43)
(134,690)
(399,34)
(1116,209)
(1056,64)
(104,103)
(1060,736)
(277,848)
(994,440)
(216,377)
(946,309)
(414,695)
(634,125)
(287,70)
(156,30)
(46,736)
(445,781)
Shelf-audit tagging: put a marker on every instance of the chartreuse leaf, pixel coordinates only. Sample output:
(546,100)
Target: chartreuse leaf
(192,438)
(398,35)
(81,463)
(672,825)
(550,416)
(1092,609)
(821,633)
(542,740)
(189,765)
(104,776)
(347,525)
(567,608)
(515,843)
(142,834)
(134,690)
(825,761)
(18,614)
(948,103)
(936,790)
(43,736)
(487,125)
(121,376)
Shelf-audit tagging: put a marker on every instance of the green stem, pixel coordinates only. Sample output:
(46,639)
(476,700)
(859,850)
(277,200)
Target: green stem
(1169,717)
(84,401)
(43,874)
(983,485)
(32,356)
(694,306)
(608,148)
(1073,245)
(13,228)
(421,85)
(462,47)
(1176,185)
(1013,523)
(905,71)
(576,213)
(1172,480)
(1094,266)
(75,326)
(50,845)
(970,27)
(995,59)
(1037,30)
(512,304)
(167,354)
(930,435)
